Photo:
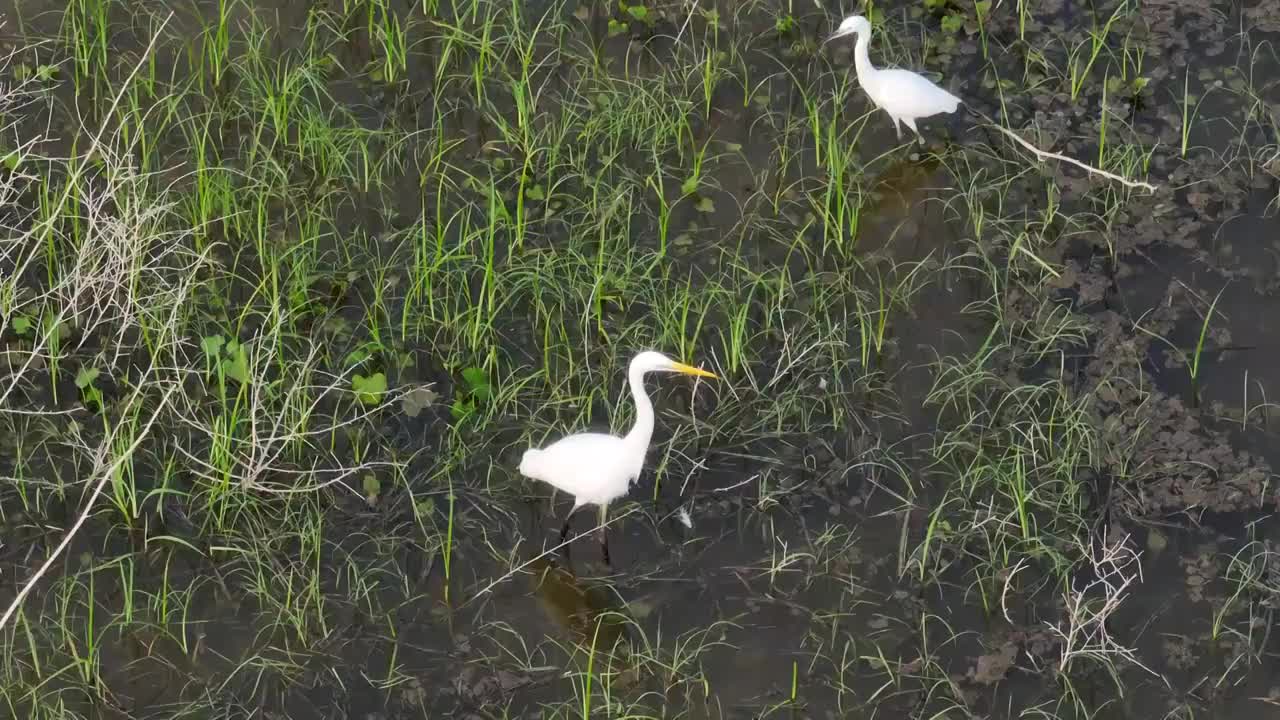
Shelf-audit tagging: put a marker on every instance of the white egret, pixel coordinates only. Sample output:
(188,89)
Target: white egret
(596,468)
(905,95)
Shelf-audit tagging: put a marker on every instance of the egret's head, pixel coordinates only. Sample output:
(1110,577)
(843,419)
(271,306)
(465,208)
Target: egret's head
(650,361)
(851,25)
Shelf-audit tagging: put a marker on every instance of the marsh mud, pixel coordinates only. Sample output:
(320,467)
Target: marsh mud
(288,287)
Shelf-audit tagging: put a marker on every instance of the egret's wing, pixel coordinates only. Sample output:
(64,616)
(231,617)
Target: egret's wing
(913,95)
(579,464)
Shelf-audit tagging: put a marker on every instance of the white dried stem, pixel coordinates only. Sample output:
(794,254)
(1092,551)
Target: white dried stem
(1115,568)
(1046,155)
(279,415)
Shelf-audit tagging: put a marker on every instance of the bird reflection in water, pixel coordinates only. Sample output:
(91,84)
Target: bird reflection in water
(588,612)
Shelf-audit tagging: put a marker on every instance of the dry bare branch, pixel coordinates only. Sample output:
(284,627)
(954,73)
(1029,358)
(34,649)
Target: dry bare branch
(1115,566)
(1046,155)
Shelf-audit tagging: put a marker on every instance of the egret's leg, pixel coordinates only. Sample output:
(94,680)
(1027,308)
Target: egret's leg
(911,123)
(604,535)
(564,531)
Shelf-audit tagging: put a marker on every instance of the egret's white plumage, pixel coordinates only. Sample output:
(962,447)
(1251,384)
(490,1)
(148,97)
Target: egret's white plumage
(904,95)
(592,467)
(596,468)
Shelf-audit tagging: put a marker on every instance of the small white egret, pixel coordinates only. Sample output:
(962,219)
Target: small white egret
(596,468)
(905,95)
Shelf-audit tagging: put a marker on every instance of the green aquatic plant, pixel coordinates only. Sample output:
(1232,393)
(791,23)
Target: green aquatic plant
(472,393)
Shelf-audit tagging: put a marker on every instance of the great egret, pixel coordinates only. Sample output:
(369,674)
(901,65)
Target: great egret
(596,468)
(905,95)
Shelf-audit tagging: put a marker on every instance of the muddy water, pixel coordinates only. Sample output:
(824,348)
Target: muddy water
(766,591)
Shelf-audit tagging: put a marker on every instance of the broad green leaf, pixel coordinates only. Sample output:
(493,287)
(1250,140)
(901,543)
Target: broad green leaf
(236,364)
(477,383)
(212,345)
(92,397)
(372,487)
(462,409)
(369,390)
(86,376)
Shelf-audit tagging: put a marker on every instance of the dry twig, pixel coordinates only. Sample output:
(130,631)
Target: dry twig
(1046,155)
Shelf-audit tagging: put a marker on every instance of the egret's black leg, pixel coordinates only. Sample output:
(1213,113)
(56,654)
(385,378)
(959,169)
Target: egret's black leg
(564,532)
(604,535)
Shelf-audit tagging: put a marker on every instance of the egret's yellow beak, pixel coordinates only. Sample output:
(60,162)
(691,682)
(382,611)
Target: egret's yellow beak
(690,370)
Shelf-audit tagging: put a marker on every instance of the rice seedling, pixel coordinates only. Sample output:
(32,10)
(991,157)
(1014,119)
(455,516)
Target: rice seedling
(386,26)
(1194,368)
(216,43)
(1095,45)
(86,31)
(1189,112)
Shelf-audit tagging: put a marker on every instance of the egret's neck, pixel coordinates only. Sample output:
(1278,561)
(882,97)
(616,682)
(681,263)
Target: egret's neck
(643,429)
(861,61)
